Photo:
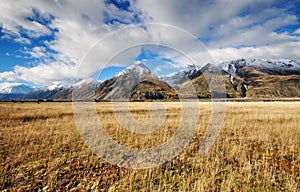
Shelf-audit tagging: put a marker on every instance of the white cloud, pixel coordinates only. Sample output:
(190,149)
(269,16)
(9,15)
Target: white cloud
(14,21)
(259,34)
(297,31)
(9,76)
(234,29)
(78,25)
(41,74)
(195,16)
(157,69)
(4,85)
(36,52)
(284,50)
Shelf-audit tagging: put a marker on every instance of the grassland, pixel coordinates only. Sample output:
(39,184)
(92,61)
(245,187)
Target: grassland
(258,149)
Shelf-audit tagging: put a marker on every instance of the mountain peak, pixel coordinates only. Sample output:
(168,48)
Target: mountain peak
(280,66)
(193,67)
(138,68)
(55,85)
(81,82)
(121,85)
(140,64)
(14,88)
(176,79)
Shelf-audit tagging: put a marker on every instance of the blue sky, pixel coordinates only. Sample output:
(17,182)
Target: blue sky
(46,41)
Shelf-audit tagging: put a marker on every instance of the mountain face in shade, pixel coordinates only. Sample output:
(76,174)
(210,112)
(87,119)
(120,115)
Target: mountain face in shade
(134,83)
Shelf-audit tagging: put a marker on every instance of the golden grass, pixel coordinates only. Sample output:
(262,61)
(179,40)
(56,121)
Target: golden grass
(258,149)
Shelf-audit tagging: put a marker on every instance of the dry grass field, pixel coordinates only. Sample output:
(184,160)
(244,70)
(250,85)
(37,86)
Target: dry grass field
(258,149)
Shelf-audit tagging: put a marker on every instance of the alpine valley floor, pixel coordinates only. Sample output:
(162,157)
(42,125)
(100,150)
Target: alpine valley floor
(258,149)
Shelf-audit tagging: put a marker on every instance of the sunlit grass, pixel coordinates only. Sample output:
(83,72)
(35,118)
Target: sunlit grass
(258,149)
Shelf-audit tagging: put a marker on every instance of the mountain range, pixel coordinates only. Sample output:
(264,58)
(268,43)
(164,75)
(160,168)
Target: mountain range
(14,91)
(250,78)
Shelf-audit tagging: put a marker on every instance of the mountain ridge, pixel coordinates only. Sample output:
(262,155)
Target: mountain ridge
(134,83)
(10,91)
(250,78)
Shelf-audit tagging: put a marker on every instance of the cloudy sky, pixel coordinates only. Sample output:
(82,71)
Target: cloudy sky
(59,40)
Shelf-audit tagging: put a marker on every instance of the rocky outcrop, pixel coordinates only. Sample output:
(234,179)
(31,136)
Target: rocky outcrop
(153,89)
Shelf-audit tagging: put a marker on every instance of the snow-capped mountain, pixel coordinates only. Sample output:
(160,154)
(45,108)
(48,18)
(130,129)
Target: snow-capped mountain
(82,82)
(263,77)
(242,78)
(14,88)
(268,66)
(83,89)
(10,91)
(176,79)
(55,85)
(45,92)
(59,90)
(121,85)
(135,82)
(139,70)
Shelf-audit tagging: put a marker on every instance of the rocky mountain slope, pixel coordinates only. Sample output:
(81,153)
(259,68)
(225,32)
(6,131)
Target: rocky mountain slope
(250,78)
(58,91)
(134,83)
(250,67)
(177,79)
(153,89)
(263,78)
(13,91)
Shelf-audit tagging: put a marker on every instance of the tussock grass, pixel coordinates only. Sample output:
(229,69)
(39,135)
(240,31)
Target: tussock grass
(258,149)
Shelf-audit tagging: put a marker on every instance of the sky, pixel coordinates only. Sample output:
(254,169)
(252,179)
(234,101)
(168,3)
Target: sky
(61,40)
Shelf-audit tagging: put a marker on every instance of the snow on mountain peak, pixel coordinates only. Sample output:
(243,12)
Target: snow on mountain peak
(55,85)
(14,88)
(138,69)
(82,82)
(175,79)
(279,64)
(190,69)
(193,67)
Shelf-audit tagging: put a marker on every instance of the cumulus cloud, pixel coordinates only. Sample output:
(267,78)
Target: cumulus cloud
(74,25)
(15,19)
(284,50)
(36,52)
(41,74)
(259,33)
(83,37)
(4,85)
(297,31)
(198,17)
